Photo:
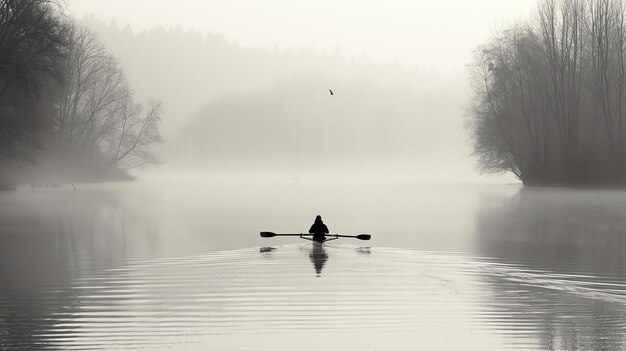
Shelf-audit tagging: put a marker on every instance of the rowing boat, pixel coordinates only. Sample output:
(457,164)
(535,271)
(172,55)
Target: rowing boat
(307,236)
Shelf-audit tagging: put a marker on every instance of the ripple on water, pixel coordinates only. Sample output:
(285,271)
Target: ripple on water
(302,289)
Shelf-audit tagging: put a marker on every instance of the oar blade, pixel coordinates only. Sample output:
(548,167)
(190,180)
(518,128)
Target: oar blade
(363,236)
(268,234)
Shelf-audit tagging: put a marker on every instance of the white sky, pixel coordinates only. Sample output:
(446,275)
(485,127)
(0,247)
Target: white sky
(427,33)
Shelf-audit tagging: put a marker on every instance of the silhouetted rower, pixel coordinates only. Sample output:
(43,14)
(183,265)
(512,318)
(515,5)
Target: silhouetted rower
(319,230)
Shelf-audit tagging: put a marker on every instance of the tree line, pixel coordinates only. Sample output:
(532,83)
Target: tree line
(549,100)
(65,101)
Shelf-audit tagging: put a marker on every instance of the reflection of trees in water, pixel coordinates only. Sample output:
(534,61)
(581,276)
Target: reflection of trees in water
(34,260)
(558,231)
(45,244)
(558,319)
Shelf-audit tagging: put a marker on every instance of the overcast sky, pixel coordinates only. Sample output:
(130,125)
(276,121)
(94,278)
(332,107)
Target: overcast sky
(427,33)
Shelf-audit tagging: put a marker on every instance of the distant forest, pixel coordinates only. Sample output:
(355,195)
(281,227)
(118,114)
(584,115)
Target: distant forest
(549,100)
(67,113)
(298,127)
(248,110)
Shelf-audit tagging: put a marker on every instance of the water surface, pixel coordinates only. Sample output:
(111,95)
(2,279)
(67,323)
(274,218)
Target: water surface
(179,265)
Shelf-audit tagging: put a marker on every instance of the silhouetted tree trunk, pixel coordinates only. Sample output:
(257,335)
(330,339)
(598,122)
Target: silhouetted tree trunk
(562,26)
(608,38)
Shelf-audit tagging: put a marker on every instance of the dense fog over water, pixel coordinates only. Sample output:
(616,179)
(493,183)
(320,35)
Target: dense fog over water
(235,109)
(253,95)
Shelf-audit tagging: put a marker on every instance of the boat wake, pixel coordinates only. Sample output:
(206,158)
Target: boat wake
(306,288)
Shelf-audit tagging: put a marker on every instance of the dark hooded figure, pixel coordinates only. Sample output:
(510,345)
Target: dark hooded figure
(319,229)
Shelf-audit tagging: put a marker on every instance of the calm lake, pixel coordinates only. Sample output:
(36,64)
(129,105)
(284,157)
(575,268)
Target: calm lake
(180,265)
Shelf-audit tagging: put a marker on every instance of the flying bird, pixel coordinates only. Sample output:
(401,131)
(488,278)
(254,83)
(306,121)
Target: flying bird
(331,92)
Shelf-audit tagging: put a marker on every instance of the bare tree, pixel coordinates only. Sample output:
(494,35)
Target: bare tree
(561,27)
(556,87)
(97,109)
(608,47)
(129,144)
(32,36)
(94,86)
(509,129)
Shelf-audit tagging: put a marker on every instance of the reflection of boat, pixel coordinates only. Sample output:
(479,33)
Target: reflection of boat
(318,256)
(318,242)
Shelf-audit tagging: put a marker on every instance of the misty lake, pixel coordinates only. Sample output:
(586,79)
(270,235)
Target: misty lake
(180,265)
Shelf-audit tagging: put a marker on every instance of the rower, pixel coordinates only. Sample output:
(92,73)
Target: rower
(319,230)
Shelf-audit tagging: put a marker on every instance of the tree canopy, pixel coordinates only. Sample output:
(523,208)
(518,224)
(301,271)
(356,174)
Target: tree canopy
(549,99)
(64,100)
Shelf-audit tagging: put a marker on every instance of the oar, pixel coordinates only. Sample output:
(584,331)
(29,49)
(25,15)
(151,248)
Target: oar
(271,235)
(360,236)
